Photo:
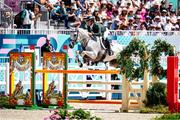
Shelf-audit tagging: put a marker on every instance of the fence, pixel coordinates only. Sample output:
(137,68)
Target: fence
(68,31)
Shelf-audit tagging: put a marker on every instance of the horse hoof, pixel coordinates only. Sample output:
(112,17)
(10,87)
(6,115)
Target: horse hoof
(80,65)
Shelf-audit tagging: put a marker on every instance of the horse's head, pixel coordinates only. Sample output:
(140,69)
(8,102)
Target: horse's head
(73,39)
(80,35)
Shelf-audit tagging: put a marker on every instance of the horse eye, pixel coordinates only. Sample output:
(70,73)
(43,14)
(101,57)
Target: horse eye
(75,35)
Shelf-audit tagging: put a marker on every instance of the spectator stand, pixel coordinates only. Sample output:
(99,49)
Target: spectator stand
(156,15)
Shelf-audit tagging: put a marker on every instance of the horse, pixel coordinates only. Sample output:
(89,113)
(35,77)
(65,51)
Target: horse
(93,49)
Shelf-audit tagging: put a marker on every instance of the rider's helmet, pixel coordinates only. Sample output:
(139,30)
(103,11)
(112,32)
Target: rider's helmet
(91,18)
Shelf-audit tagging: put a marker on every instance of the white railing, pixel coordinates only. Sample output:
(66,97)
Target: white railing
(68,31)
(35,31)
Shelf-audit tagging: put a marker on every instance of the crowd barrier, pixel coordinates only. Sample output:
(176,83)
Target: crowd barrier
(68,31)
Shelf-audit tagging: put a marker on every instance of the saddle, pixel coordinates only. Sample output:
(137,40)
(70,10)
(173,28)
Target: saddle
(104,43)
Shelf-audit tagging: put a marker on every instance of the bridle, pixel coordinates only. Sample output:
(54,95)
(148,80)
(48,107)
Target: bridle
(73,41)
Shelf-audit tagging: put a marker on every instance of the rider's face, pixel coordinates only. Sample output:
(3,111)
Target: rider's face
(90,23)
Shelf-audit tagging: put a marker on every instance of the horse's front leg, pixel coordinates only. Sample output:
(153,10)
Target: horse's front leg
(79,61)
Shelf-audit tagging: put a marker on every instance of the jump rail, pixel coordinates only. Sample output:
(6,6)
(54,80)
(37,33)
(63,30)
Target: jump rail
(80,71)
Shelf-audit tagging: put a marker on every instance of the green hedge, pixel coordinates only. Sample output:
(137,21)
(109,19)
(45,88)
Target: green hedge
(156,95)
(175,116)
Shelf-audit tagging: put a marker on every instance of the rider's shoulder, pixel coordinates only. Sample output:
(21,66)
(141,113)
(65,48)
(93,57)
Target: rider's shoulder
(97,24)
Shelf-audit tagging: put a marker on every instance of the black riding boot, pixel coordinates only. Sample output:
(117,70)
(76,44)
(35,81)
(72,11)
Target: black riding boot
(110,52)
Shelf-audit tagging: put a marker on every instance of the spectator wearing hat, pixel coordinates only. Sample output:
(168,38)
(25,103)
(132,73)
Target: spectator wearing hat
(130,13)
(157,20)
(124,12)
(102,10)
(137,21)
(168,25)
(59,13)
(170,7)
(123,16)
(155,7)
(28,16)
(130,23)
(91,5)
(72,17)
(163,17)
(148,22)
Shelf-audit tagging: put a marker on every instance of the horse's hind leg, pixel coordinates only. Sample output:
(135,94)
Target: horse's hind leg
(92,55)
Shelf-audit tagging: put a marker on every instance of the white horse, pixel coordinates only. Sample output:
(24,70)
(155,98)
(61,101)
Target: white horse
(94,50)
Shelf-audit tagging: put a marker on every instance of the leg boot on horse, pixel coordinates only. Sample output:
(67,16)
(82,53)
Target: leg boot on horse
(108,46)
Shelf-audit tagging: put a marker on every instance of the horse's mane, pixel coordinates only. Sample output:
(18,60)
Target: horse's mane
(83,33)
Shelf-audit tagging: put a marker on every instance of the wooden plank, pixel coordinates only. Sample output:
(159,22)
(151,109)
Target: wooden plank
(94,90)
(100,102)
(134,98)
(134,106)
(100,82)
(136,83)
(93,82)
(96,101)
(80,71)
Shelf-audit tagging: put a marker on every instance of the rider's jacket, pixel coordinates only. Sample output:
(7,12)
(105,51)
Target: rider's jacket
(97,29)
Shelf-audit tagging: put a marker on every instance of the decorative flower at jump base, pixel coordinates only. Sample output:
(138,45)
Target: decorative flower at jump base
(60,103)
(13,101)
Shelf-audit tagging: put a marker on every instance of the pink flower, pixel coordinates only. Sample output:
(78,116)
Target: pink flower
(46,118)
(67,118)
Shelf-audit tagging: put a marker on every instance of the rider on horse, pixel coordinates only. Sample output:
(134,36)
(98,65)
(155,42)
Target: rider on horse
(97,30)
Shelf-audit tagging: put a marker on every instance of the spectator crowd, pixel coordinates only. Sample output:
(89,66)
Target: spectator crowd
(158,15)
